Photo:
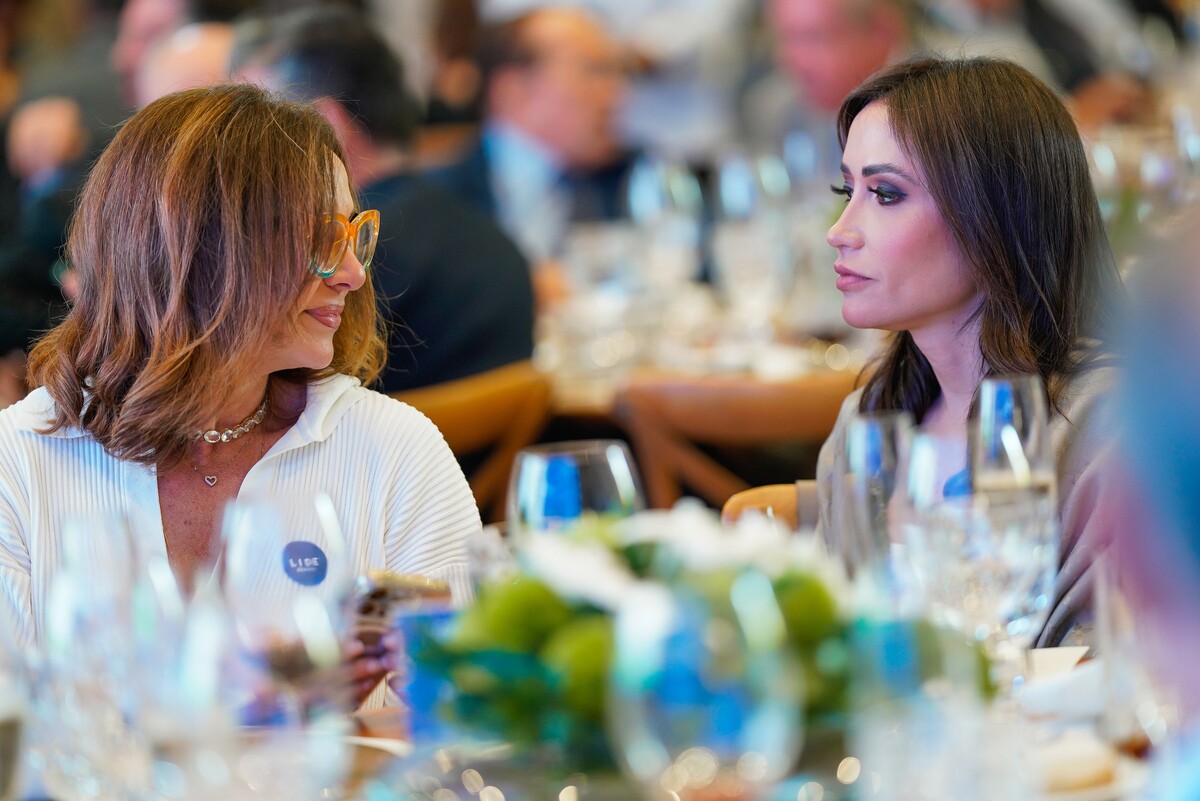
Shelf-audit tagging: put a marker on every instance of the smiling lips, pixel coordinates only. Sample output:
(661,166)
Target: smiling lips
(330,316)
(848,279)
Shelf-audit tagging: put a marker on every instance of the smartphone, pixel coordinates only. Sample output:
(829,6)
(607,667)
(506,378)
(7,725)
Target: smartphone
(382,596)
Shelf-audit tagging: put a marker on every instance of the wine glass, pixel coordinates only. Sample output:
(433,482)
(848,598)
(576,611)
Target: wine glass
(554,485)
(1010,438)
(875,447)
(287,579)
(985,561)
(751,245)
(667,205)
(706,697)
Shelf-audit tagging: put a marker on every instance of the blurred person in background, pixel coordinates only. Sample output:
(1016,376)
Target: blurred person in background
(549,153)
(456,291)
(1158,553)
(686,58)
(822,50)
(223,327)
(1038,35)
(42,143)
(956,238)
(141,25)
(194,55)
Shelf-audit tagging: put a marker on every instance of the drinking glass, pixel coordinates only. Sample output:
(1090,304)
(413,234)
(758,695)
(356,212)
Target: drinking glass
(85,685)
(875,448)
(706,697)
(988,569)
(746,185)
(752,256)
(287,580)
(554,485)
(1010,438)
(13,693)
(666,203)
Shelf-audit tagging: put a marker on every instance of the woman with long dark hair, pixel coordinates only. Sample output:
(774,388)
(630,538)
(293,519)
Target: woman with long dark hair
(972,232)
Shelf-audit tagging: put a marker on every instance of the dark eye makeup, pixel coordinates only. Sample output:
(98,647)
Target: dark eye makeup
(843,190)
(887,196)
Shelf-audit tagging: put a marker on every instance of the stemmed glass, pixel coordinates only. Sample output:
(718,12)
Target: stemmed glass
(751,246)
(706,699)
(665,201)
(287,579)
(987,560)
(1010,438)
(875,448)
(553,486)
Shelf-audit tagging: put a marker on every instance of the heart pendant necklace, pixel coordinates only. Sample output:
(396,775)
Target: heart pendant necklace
(215,437)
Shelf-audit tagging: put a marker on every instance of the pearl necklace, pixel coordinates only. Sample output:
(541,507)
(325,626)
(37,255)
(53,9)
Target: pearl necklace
(213,436)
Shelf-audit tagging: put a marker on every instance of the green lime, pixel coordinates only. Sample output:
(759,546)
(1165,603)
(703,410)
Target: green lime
(808,609)
(578,655)
(514,615)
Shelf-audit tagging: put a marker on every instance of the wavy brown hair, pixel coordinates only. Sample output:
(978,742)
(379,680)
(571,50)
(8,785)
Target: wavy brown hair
(192,241)
(1004,163)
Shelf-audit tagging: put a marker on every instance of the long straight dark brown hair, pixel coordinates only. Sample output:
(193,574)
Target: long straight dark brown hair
(1004,163)
(192,241)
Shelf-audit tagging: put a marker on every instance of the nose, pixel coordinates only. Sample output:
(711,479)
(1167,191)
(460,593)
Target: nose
(350,274)
(843,233)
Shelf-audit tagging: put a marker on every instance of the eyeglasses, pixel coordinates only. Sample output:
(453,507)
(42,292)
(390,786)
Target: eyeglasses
(337,234)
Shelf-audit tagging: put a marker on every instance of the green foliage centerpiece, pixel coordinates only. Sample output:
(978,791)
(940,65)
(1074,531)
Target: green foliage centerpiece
(528,662)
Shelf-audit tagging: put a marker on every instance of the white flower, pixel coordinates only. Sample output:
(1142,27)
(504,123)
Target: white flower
(585,571)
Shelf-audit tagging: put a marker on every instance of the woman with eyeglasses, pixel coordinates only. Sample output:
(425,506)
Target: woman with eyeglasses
(223,331)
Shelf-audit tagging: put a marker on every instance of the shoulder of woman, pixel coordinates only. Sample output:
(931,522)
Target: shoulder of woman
(1090,387)
(381,410)
(34,414)
(849,406)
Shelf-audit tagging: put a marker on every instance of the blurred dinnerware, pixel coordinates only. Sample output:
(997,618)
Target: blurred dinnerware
(85,692)
(286,581)
(706,700)
(988,569)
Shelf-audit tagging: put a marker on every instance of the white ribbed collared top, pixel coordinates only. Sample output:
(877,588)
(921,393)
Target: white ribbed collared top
(400,495)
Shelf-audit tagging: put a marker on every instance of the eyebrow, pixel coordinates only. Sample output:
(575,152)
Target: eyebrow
(880,169)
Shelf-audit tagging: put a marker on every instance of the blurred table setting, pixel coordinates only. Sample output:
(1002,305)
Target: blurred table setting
(610,652)
(726,279)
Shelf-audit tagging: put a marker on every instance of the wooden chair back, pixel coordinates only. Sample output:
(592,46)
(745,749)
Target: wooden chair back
(668,416)
(494,413)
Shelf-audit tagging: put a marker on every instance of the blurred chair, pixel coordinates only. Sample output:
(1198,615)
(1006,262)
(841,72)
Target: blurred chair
(794,505)
(669,417)
(491,415)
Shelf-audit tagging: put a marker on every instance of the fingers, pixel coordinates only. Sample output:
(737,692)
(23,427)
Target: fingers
(366,666)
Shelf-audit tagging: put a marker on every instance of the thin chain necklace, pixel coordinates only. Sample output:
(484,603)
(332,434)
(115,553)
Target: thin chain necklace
(213,436)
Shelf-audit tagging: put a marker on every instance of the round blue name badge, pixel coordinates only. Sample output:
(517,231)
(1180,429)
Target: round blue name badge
(305,563)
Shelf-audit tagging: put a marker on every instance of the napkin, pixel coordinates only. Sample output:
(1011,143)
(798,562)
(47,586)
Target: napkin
(1072,695)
